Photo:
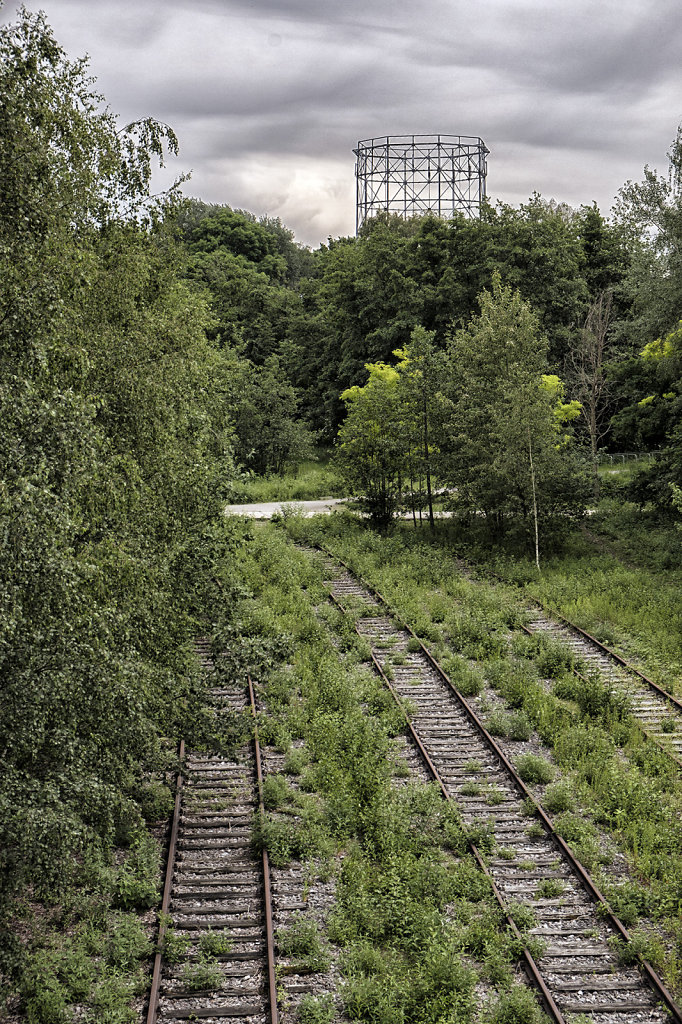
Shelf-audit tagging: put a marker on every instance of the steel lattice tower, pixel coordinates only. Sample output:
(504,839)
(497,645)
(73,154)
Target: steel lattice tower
(417,174)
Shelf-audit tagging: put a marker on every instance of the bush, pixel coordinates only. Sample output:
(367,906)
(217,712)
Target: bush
(316,1009)
(518,1006)
(558,798)
(534,769)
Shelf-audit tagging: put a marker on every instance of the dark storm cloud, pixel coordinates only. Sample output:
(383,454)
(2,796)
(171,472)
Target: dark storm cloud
(269,97)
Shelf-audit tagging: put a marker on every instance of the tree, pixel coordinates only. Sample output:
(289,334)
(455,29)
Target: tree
(503,445)
(419,378)
(115,454)
(264,405)
(590,382)
(649,214)
(371,445)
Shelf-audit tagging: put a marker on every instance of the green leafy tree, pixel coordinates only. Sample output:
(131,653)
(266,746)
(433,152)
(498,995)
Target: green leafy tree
(371,443)
(115,453)
(503,445)
(649,214)
(591,385)
(269,436)
(420,370)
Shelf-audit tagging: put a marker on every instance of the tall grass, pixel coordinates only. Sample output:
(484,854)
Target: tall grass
(313,479)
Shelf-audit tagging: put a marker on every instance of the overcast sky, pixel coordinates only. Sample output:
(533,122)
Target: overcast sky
(269,97)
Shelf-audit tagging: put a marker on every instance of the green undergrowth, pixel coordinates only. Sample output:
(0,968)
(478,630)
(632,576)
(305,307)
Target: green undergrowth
(88,952)
(623,785)
(310,480)
(619,579)
(414,926)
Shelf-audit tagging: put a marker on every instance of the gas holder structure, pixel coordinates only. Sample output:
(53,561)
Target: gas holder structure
(417,174)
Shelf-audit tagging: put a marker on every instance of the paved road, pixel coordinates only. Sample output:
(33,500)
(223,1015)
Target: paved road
(266,509)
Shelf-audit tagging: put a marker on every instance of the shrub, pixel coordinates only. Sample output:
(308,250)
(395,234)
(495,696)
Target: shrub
(498,724)
(175,947)
(554,658)
(519,727)
(316,1009)
(301,941)
(215,943)
(205,974)
(276,791)
(138,877)
(156,801)
(558,798)
(534,769)
(518,1006)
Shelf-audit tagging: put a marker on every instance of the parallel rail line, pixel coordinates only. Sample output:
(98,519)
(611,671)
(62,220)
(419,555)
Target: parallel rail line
(578,972)
(215,886)
(657,712)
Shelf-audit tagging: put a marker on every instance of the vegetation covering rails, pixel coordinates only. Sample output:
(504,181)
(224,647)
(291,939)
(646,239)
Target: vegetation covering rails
(153,352)
(627,786)
(413,921)
(618,579)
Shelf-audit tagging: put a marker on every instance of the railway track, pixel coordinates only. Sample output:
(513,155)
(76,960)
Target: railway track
(658,713)
(577,971)
(217,907)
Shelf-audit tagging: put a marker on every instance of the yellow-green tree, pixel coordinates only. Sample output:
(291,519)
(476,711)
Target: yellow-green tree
(371,444)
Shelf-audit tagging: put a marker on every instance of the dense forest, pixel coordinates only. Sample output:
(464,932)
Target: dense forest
(158,351)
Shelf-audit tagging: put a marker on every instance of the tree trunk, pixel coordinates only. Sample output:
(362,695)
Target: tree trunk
(595,458)
(428,466)
(535,503)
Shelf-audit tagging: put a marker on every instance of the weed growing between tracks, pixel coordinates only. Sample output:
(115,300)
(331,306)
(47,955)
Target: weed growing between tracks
(414,924)
(621,784)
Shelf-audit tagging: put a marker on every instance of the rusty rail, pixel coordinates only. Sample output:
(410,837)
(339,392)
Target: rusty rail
(168,884)
(267,890)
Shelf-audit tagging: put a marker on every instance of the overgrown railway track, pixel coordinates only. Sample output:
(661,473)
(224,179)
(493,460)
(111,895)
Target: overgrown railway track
(217,902)
(578,971)
(657,712)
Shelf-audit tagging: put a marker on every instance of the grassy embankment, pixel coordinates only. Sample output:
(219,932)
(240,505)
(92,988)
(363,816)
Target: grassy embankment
(611,791)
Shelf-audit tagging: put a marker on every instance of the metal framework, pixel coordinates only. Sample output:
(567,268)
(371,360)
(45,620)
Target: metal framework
(417,174)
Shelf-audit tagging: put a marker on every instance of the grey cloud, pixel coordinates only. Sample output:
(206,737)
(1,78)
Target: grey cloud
(269,97)
(623,50)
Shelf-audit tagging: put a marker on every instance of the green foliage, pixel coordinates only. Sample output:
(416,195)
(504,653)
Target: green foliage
(175,947)
(215,943)
(501,446)
(310,479)
(269,437)
(276,792)
(203,975)
(316,1009)
(301,942)
(518,1006)
(370,448)
(534,769)
(558,798)
(116,449)
(138,878)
